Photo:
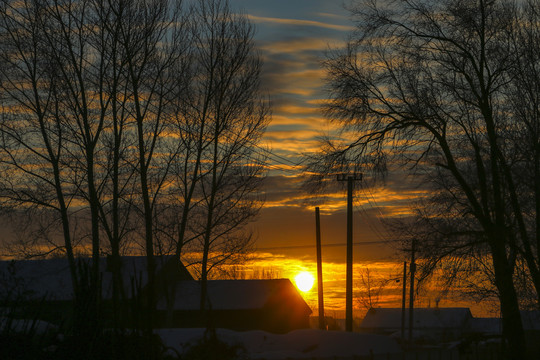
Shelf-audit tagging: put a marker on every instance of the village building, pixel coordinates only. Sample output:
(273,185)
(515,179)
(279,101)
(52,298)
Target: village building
(429,324)
(492,328)
(43,288)
(50,279)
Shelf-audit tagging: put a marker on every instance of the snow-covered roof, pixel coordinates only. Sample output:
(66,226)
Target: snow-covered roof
(51,278)
(236,294)
(491,326)
(427,318)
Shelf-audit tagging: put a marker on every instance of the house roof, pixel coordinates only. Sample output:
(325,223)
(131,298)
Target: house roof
(51,278)
(237,294)
(427,318)
(486,325)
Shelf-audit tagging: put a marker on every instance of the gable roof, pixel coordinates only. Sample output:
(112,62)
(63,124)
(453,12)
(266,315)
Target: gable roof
(238,295)
(51,278)
(428,318)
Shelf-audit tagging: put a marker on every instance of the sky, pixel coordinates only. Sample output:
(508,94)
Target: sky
(293,37)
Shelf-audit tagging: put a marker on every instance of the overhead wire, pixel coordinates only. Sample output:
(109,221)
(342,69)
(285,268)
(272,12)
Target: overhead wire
(372,202)
(359,243)
(282,158)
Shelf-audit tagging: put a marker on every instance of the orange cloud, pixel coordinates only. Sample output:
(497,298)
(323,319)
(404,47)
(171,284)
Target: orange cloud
(296,110)
(297,45)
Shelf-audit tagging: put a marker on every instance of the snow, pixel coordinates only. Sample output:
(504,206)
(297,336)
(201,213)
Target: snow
(26,326)
(298,344)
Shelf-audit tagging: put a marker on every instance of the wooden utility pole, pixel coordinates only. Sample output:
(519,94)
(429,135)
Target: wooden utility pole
(322,322)
(350,178)
(403,301)
(411,293)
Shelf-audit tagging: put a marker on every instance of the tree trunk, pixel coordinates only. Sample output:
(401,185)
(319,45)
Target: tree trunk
(511,318)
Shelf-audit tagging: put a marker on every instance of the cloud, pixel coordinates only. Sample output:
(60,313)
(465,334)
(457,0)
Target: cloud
(301,82)
(298,22)
(300,44)
(330,15)
(296,109)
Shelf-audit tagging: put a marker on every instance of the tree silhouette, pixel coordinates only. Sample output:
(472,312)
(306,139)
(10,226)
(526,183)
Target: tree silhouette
(437,88)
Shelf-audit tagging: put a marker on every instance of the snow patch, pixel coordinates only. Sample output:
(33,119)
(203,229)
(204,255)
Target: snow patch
(298,344)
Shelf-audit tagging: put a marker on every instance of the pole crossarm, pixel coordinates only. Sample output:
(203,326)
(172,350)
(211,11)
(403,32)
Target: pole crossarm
(345,176)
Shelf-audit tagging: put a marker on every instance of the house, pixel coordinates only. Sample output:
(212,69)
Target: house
(440,324)
(272,305)
(44,288)
(50,279)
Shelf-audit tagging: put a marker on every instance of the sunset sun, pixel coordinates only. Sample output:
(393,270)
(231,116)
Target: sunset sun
(304,281)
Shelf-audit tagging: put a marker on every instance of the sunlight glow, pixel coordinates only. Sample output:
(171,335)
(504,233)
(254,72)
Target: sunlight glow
(304,281)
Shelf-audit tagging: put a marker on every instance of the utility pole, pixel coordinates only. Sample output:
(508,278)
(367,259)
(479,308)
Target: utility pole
(322,322)
(411,293)
(403,301)
(350,178)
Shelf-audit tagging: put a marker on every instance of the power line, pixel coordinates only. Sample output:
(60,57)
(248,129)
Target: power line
(275,158)
(282,158)
(363,243)
(372,202)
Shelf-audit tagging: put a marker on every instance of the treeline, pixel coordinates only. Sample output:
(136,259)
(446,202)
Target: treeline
(129,127)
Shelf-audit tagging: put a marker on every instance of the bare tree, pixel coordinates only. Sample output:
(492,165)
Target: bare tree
(221,119)
(32,137)
(151,39)
(427,84)
(373,287)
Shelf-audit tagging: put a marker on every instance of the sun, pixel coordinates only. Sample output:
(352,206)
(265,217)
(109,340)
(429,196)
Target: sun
(304,281)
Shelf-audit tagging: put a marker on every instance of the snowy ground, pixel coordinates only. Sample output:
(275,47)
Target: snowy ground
(298,344)
(26,326)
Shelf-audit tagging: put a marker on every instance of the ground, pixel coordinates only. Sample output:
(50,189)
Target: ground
(298,344)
